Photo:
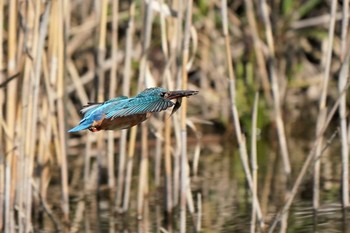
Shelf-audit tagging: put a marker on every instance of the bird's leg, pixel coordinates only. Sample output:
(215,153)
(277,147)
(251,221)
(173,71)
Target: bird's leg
(96,125)
(94,129)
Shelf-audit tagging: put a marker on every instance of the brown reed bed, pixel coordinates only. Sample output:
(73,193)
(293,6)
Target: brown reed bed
(56,56)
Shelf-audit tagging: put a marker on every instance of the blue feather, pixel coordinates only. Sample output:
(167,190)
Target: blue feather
(139,106)
(148,101)
(79,127)
(90,107)
(117,99)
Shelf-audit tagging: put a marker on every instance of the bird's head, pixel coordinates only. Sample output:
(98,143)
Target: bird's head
(164,93)
(153,91)
(177,94)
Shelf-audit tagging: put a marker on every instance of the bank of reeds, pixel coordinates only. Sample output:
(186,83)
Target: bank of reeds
(56,56)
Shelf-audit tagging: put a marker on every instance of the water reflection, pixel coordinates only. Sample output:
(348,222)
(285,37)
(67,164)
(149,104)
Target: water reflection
(233,216)
(329,218)
(224,196)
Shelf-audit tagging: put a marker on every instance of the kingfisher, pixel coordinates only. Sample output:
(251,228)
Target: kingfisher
(123,112)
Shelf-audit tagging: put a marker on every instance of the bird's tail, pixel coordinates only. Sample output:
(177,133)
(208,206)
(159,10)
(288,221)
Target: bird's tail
(79,127)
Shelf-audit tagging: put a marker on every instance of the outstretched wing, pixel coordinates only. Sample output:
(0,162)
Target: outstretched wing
(90,107)
(139,106)
(117,99)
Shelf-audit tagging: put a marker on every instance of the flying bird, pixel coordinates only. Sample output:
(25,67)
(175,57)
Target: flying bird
(123,112)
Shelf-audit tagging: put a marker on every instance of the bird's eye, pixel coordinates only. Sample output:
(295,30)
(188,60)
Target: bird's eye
(162,94)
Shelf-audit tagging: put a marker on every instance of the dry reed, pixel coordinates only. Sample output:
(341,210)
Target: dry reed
(142,82)
(56,56)
(275,87)
(311,159)
(343,76)
(323,105)
(126,88)
(254,163)
(240,136)
(184,161)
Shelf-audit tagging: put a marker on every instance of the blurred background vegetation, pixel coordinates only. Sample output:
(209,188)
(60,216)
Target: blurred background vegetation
(57,55)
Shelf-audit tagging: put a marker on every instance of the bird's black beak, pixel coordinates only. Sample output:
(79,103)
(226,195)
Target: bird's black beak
(179,94)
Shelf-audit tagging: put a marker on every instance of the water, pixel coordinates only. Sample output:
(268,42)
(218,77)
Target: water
(226,202)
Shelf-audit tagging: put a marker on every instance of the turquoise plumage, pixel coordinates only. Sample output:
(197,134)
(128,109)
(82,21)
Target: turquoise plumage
(123,112)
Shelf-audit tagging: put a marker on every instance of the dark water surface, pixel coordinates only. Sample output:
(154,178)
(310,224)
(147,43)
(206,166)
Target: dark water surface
(226,201)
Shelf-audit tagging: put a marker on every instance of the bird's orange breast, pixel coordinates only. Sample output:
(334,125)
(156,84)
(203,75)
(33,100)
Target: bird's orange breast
(119,122)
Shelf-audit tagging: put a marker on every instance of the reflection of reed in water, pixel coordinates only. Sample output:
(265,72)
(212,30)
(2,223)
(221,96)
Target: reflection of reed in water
(52,64)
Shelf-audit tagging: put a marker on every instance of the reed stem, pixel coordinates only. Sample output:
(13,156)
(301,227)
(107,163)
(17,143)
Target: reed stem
(343,76)
(311,157)
(184,180)
(254,163)
(10,111)
(112,90)
(143,180)
(232,90)
(275,88)
(126,91)
(323,104)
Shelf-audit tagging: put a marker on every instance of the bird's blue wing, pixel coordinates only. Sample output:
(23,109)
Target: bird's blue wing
(79,127)
(139,106)
(90,107)
(117,99)
(94,112)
